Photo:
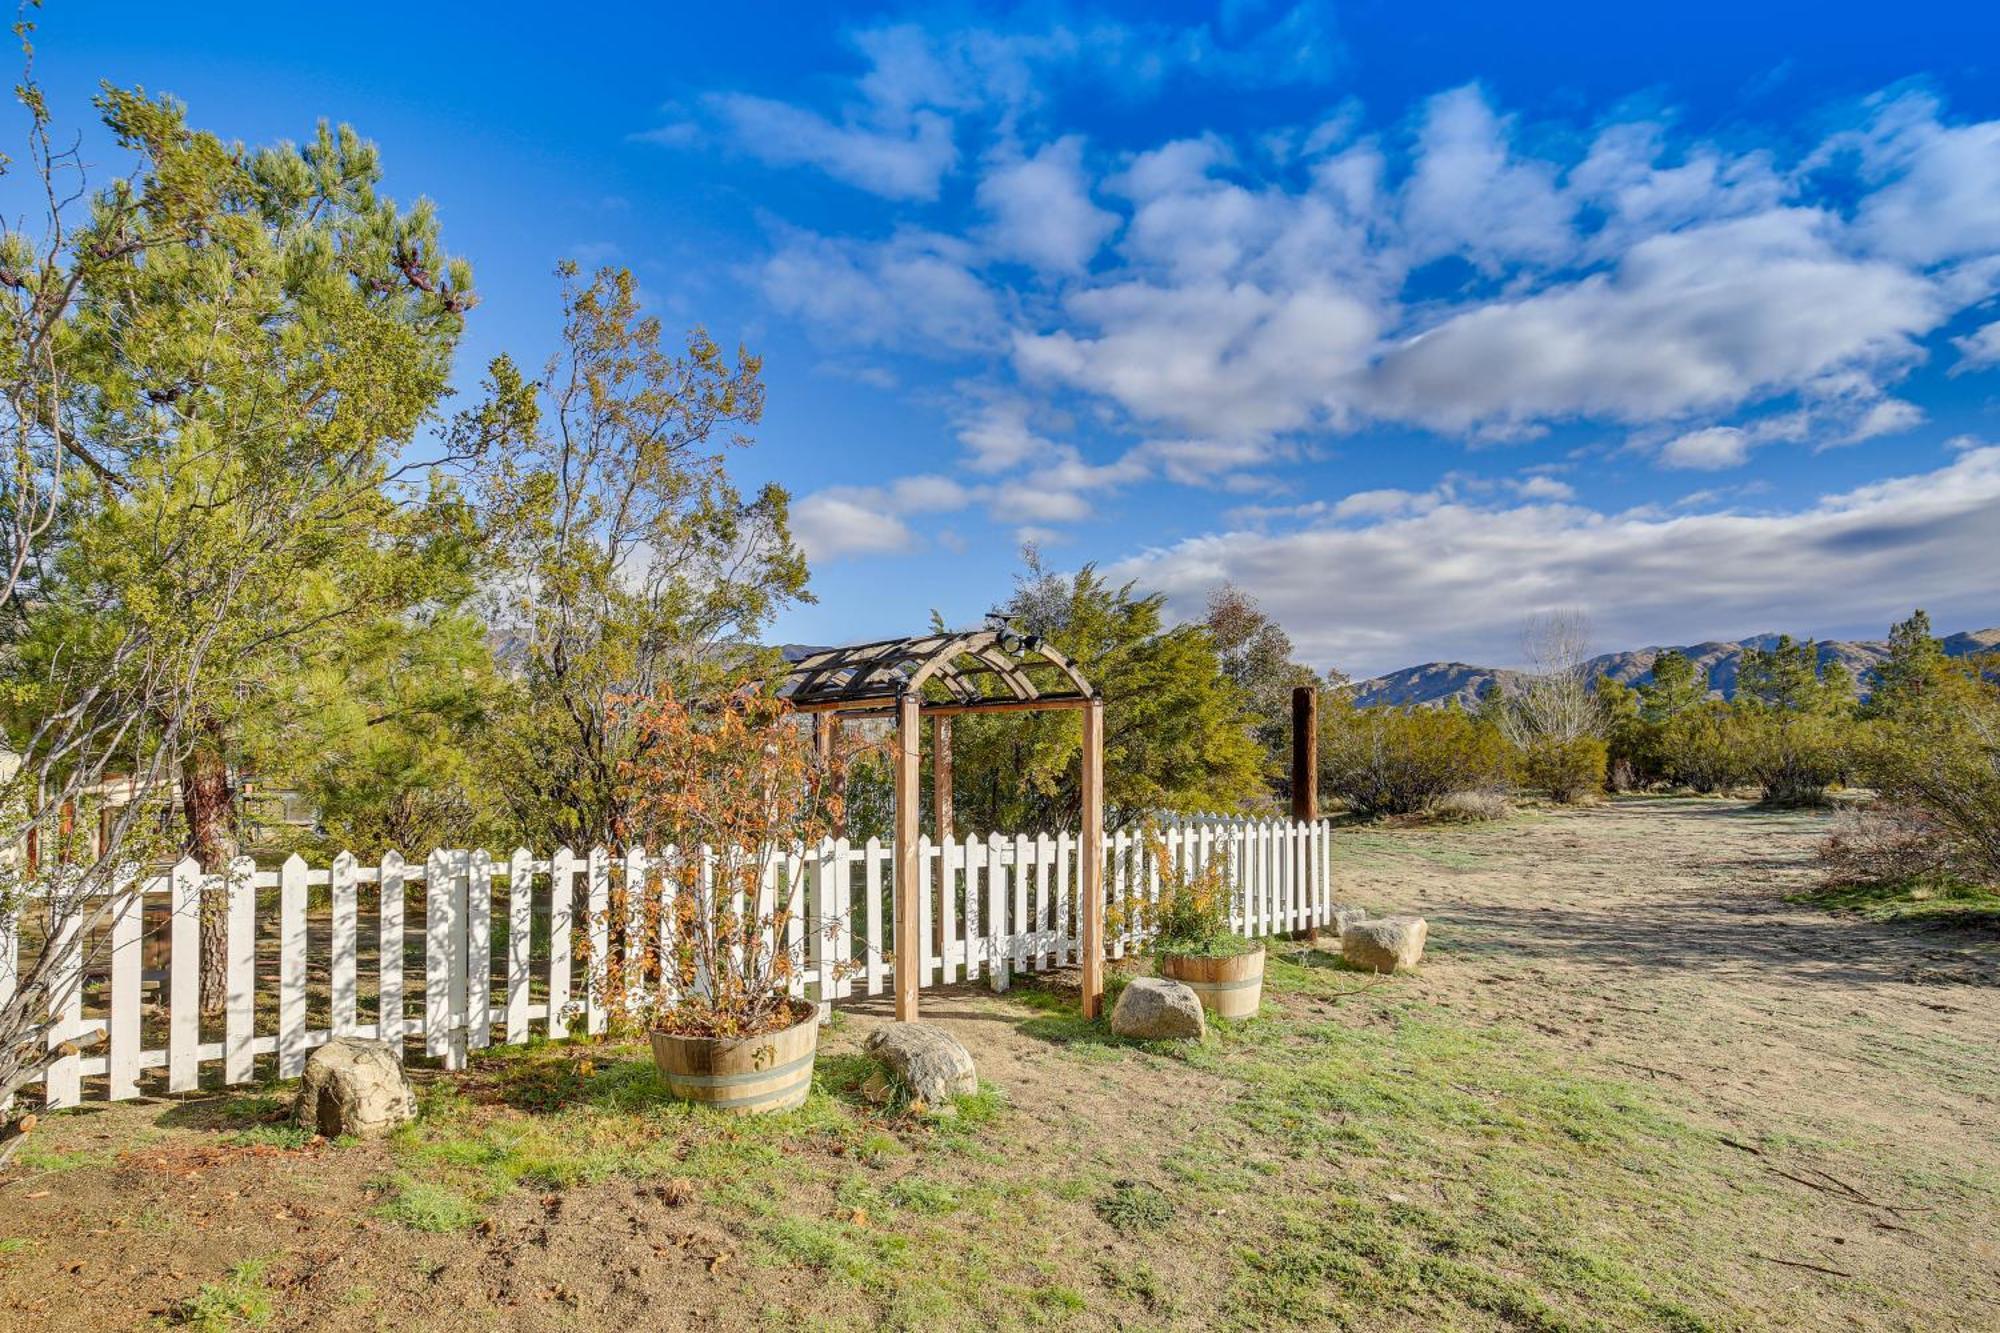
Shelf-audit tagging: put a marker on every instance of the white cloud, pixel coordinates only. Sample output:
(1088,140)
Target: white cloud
(1690,321)
(1978,349)
(1223,361)
(914,291)
(904,158)
(1470,195)
(1458,581)
(1887,416)
(1707,450)
(1041,210)
(829,525)
(1937,195)
(869,520)
(1544,488)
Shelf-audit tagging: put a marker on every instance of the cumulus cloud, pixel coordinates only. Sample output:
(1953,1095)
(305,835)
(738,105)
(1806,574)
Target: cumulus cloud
(1690,321)
(1471,195)
(1936,194)
(1979,349)
(1040,208)
(1707,450)
(915,292)
(1220,360)
(1458,580)
(869,520)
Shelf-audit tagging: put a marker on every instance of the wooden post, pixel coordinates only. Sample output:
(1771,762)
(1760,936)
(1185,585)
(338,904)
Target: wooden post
(941,795)
(941,791)
(826,740)
(1305,753)
(909,952)
(1091,856)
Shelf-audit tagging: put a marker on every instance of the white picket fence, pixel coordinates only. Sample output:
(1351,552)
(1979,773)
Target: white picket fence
(989,907)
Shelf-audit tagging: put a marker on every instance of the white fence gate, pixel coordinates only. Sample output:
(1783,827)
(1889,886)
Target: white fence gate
(988,907)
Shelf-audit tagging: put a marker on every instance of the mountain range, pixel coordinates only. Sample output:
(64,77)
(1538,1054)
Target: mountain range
(1436,683)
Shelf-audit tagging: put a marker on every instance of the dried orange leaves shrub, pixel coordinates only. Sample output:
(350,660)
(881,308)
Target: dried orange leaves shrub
(739,790)
(1191,914)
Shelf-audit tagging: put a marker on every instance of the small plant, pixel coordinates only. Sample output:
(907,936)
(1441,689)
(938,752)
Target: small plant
(240,1299)
(1133,1206)
(422,1206)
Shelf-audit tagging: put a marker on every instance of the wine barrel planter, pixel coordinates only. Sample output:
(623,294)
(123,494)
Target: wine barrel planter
(741,1075)
(1230,987)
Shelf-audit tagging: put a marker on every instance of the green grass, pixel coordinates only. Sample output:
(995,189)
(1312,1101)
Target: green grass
(13,1245)
(272,1136)
(424,1206)
(1913,900)
(240,1300)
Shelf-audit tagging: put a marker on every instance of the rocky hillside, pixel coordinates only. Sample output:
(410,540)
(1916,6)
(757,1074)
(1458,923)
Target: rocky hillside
(1438,682)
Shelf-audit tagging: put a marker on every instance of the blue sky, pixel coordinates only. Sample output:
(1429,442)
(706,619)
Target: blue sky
(1412,320)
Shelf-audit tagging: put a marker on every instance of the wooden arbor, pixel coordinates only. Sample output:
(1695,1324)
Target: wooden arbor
(942,676)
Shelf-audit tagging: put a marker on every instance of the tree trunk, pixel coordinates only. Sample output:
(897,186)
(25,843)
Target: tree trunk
(208,797)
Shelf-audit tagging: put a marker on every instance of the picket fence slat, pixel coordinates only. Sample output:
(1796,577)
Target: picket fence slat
(239,1017)
(184,978)
(64,1085)
(520,940)
(122,1059)
(562,921)
(872,879)
(292,967)
(442,926)
(345,885)
(598,923)
(392,882)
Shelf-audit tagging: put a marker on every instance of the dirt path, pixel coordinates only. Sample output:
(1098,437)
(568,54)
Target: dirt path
(1652,940)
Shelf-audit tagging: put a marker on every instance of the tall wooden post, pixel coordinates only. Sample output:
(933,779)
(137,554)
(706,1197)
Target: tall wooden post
(1305,753)
(826,739)
(941,776)
(1091,854)
(909,814)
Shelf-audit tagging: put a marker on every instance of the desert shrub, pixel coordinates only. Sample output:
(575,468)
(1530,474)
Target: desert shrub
(1940,761)
(1565,770)
(1700,749)
(1392,761)
(1796,757)
(1884,844)
(1470,807)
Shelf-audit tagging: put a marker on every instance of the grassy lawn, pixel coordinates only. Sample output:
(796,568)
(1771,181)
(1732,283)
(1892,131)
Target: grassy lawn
(1355,1154)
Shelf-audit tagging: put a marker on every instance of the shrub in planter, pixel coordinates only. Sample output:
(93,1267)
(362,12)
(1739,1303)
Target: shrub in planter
(1193,941)
(738,779)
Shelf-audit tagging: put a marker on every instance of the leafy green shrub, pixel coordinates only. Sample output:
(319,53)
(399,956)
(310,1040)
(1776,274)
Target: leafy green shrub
(1567,771)
(1699,749)
(1796,757)
(1392,761)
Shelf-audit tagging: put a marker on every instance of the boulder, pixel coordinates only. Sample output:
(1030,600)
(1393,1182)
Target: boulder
(1154,1009)
(1343,917)
(355,1086)
(930,1064)
(1386,944)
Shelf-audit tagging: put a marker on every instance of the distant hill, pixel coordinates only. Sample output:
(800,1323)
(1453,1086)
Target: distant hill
(1438,682)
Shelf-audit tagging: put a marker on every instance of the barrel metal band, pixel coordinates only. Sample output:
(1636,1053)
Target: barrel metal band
(1223,985)
(734,1080)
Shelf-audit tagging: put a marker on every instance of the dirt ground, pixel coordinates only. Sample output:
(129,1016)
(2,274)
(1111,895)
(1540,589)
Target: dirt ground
(1634,1086)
